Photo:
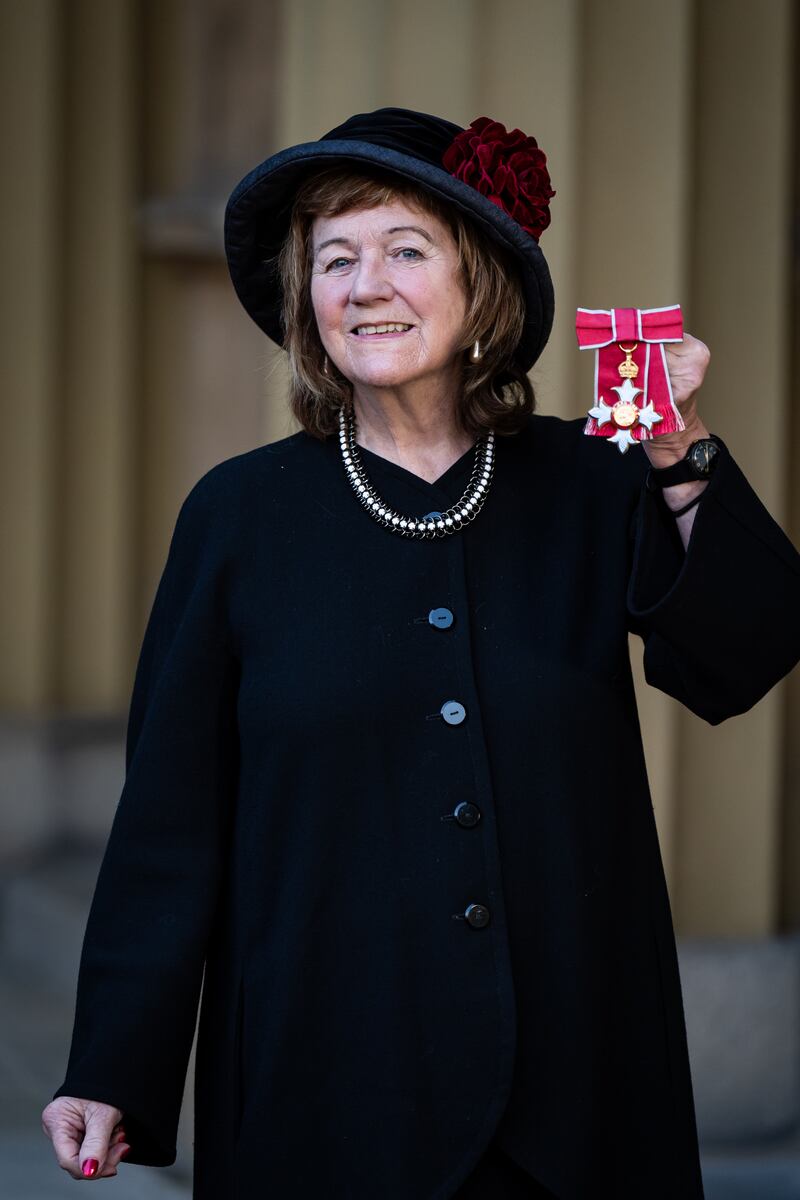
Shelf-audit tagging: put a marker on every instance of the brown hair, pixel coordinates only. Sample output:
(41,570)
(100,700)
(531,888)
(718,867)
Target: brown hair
(496,393)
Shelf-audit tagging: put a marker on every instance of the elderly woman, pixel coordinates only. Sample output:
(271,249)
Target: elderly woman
(385,793)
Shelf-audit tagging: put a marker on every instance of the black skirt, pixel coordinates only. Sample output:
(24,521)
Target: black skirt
(498,1177)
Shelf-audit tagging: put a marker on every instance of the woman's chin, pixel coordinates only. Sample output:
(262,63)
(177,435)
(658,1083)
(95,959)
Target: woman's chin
(386,374)
(385,377)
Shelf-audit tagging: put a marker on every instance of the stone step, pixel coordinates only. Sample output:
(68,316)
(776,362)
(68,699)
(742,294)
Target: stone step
(742,1002)
(732,1179)
(43,913)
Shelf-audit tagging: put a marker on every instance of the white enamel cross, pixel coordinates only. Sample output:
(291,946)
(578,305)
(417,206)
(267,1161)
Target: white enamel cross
(603,413)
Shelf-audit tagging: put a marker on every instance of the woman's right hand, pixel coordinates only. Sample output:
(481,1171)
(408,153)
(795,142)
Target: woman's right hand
(88,1137)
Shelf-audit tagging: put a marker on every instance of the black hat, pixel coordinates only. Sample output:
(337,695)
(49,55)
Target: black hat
(497,178)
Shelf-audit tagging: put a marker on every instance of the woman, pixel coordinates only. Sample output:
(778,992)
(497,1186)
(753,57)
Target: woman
(385,779)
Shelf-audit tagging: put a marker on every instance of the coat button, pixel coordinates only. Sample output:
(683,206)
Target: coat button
(440,618)
(453,712)
(467,814)
(477,915)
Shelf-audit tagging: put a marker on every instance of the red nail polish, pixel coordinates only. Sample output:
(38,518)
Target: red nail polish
(89,1167)
(125,1152)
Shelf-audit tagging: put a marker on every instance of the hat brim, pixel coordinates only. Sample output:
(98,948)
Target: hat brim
(259,210)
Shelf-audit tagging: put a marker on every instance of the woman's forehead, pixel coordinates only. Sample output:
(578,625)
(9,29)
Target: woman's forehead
(381,219)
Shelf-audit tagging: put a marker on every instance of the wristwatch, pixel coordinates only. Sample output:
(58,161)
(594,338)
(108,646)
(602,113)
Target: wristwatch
(698,463)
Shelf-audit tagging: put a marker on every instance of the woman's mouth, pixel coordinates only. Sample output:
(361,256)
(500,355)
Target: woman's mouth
(387,330)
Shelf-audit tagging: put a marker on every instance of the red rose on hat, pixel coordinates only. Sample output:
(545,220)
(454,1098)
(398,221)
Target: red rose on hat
(508,168)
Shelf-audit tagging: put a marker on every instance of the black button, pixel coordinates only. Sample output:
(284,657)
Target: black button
(467,814)
(477,915)
(440,618)
(453,712)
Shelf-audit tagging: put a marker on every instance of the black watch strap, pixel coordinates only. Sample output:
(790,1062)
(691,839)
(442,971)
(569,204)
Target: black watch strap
(698,463)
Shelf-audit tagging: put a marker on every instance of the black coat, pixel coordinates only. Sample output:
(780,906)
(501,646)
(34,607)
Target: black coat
(291,818)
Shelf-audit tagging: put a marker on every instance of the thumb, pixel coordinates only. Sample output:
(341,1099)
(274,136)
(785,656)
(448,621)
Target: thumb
(100,1120)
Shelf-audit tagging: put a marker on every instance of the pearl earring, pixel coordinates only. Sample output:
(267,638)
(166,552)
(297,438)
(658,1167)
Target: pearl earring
(475,354)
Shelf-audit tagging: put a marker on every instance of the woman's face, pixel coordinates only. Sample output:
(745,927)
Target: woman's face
(387,265)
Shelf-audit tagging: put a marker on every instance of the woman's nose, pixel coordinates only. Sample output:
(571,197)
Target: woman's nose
(370,280)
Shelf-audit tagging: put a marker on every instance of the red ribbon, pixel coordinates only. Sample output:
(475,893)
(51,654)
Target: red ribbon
(650,329)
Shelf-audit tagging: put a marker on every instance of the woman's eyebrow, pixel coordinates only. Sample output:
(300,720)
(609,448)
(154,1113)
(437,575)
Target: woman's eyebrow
(411,228)
(331,241)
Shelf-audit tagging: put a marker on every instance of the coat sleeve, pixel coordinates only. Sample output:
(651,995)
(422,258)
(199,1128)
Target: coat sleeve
(154,902)
(720,620)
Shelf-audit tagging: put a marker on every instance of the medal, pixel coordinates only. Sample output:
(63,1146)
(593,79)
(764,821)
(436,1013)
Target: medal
(636,410)
(626,413)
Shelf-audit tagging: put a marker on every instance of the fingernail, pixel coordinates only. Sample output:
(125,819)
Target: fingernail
(89,1167)
(125,1152)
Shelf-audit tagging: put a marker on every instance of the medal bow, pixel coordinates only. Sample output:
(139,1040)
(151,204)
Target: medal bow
(625,411)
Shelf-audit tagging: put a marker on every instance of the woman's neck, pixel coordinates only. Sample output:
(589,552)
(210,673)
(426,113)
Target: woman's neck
(417,431)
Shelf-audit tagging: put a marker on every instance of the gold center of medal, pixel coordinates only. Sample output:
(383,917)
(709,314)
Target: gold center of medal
(624,414)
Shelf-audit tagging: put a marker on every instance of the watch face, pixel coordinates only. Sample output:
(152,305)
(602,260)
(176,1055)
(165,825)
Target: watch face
(702,457)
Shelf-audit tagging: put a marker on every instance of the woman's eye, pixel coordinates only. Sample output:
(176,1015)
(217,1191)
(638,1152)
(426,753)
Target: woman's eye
(335,263)
(409,250)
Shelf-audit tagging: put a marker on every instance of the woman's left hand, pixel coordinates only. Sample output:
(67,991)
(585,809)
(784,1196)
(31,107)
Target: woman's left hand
(687,362)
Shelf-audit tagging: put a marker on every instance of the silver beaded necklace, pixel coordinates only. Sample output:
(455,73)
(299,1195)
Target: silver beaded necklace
(439,525)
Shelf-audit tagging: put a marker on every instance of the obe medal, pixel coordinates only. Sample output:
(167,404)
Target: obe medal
(625,414)
(633,398)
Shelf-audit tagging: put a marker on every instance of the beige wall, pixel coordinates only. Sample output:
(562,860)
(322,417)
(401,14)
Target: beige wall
(30,83)
(670,132)
(730,781)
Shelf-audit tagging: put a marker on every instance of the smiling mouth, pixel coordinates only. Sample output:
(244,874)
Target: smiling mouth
(382,330)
